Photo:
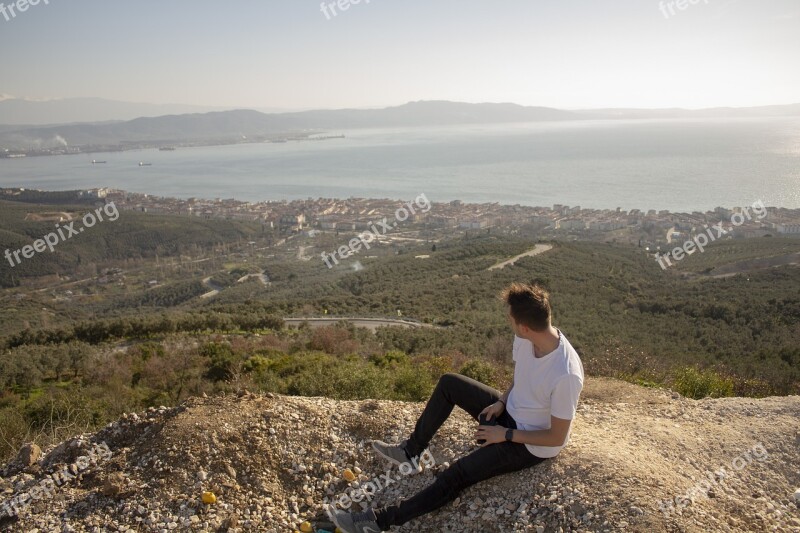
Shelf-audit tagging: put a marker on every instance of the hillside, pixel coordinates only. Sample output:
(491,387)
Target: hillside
(606,294)
(229,126)
(271,460)
(233,125)
(134,236)
(18,114)
(70,110)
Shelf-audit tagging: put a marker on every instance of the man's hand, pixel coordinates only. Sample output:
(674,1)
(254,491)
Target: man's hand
(492,434)
(494,410)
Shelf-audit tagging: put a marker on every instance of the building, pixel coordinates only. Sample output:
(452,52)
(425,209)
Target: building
(570,224)
(293,221)
(94,193)
(474,223)
(607,225)
(540,219)
(789,229)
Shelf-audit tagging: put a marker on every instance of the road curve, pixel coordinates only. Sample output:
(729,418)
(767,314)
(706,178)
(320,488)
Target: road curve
(538,249)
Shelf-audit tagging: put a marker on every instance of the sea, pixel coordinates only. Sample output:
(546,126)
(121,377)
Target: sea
(681,165)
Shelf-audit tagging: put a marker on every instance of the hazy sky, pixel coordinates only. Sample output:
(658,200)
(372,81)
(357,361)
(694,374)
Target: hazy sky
(288,54)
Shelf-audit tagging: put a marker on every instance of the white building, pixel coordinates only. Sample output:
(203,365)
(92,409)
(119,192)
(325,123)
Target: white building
(789,229)
(570,223)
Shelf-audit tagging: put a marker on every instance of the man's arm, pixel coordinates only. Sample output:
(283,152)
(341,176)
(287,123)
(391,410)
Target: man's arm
(555,436)
(505,395)
(496,409)
(564,403)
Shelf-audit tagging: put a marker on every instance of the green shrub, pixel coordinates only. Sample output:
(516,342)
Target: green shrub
(341,379)
(150,349)
(221,363)
(436,366)
(14,432)
(257,364)
(479,370)
(694,383)
(412,385)
(389,359)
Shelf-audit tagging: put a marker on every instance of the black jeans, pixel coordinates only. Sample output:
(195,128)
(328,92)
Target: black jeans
(481,464)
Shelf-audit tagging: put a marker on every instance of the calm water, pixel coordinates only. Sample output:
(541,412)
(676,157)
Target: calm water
(677,165)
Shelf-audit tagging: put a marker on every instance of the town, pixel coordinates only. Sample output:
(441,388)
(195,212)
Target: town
(651,228)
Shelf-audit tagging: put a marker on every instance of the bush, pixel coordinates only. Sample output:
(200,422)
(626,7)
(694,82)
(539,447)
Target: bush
(479,370)
(14,432)
(257,364)
(694,383)
(436,366)
(150,349)
(221,361)
(341,380)
(389,359)
(333,340)
(412,385)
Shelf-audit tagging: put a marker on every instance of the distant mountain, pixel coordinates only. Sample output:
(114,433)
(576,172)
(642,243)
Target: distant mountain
(69,110)
(791,110)
(230,126)
(31,112)
(426,113)
(224,126)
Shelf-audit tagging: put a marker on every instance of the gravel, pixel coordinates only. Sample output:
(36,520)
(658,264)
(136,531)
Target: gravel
(271,461)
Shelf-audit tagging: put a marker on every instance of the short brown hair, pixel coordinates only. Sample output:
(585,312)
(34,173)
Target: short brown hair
(530,305)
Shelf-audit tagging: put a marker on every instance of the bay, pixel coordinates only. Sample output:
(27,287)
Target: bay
(680,165)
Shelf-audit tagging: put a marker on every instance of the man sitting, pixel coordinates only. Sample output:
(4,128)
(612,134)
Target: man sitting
(533,416)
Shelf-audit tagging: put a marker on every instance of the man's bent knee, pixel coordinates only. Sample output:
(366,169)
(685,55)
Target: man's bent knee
(446,380)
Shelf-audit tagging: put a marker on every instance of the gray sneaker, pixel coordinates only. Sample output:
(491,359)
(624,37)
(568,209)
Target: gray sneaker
(396,454)
(364,522)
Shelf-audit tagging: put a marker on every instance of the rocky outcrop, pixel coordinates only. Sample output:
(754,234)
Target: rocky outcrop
(639,460)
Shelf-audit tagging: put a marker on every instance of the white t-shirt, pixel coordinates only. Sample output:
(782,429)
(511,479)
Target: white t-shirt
(544,386)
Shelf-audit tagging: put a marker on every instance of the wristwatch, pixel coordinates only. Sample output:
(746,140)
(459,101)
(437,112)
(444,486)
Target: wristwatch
(509,435)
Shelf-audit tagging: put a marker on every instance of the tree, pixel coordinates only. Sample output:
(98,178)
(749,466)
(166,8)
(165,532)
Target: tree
(77,353)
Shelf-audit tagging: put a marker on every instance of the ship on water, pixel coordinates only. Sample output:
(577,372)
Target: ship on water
(143,164)
(167,149)
(96,162)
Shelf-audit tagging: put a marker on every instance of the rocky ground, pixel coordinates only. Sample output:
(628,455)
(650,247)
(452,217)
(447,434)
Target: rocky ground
(271,461)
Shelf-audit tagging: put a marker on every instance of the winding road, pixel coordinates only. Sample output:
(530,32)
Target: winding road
(538,249)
